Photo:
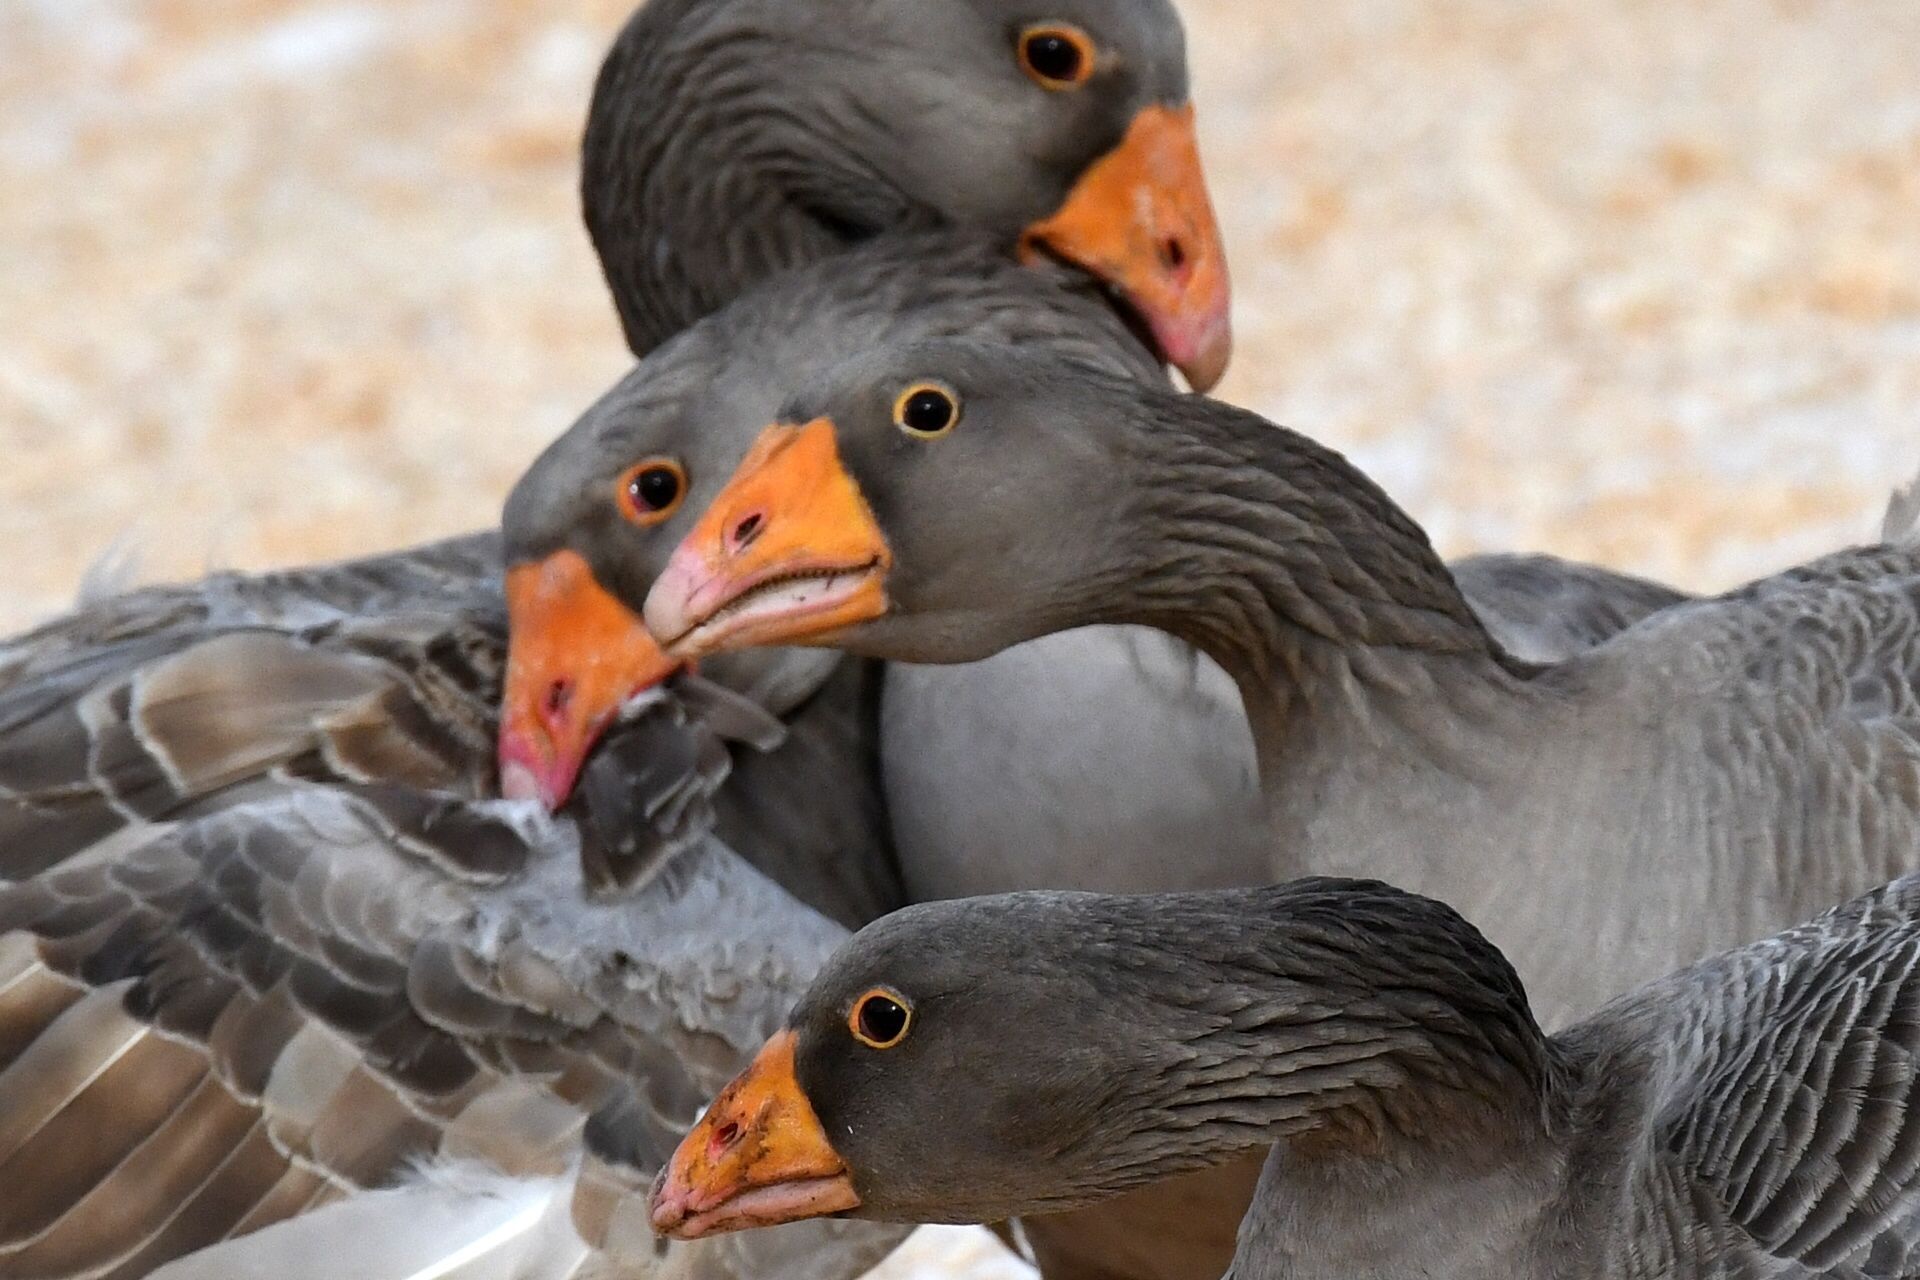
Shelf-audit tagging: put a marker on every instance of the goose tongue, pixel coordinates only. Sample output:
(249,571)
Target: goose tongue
(1140,219)
(575,655)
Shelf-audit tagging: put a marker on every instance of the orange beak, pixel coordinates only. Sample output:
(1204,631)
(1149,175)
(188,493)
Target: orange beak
(1140,219)
(574,655)
(757,1158)
(787,553)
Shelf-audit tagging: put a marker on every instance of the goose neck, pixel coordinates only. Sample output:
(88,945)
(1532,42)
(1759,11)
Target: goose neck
(1299,575)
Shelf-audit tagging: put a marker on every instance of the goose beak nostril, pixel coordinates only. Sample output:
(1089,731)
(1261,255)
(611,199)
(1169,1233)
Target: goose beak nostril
(559,698)
(746,532)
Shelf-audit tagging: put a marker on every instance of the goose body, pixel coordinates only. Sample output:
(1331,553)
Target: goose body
(1750,1115)
(1713,773)
(1108,748)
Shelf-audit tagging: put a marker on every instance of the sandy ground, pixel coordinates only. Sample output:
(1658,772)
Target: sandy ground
(1636,281)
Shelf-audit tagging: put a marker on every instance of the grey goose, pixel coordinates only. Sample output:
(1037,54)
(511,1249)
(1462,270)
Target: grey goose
(1749,1116)
(1714,773)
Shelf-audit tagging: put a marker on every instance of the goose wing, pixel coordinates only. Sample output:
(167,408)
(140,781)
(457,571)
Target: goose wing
(267,940)
(1546,609)
(1789,1134)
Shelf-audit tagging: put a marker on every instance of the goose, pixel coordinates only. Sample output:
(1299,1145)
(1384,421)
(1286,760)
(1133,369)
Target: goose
(1747,1116)
(730,141)
(1717,771)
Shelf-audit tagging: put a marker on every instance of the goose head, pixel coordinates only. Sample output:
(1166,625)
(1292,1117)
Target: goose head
(732,139)
(980,1059)
(593,522)
(933,502)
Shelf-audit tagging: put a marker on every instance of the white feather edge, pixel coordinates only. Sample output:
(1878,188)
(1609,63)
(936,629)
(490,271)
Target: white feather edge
(452,1221)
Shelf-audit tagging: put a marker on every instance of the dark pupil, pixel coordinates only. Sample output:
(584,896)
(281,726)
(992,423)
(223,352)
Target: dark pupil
(929,411)
(881,1020)
(655,488)
(1055,57)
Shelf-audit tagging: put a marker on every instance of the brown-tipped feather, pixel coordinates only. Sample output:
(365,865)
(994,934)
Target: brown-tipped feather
(366,1134)
(29,1002)
(76,1046)
(225,709)
(295,1191)
(230,1197)
(146,1191)
(80,1146)
(249,1038)
(314,1066)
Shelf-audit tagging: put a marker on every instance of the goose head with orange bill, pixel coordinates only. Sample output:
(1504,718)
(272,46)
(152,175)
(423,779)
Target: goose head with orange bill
(591,525)
(979,1059)
(732,139)
(935,502)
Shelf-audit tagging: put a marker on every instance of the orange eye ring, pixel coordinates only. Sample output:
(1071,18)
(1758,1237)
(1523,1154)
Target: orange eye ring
(1056,55)
(649,492)
(927,410)
(880,1019)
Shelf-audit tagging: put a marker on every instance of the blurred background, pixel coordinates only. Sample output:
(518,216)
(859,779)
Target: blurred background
(1639,281)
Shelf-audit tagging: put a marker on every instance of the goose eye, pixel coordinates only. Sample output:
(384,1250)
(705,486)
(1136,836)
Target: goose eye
(926,409)
(880,1019)
(1056,56)
(651,491)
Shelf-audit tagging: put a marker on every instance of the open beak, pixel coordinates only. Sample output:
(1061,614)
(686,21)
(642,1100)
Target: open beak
(757,1158)
(787,553)
(575,654)
(1140,219)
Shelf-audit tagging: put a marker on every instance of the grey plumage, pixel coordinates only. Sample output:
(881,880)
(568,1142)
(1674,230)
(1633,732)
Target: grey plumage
(730,142)
(1716,771)
(1749,1116)
(1107,747)
(1902,521)
(1545,609)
